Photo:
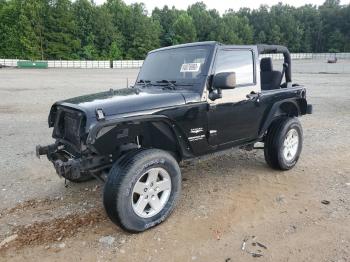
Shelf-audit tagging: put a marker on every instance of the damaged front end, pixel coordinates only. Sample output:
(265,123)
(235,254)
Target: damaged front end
(65,165)
(69,154)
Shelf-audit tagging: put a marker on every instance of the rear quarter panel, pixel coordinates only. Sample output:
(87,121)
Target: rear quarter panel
(272,100)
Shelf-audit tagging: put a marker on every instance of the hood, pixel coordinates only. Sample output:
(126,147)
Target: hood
(127,100)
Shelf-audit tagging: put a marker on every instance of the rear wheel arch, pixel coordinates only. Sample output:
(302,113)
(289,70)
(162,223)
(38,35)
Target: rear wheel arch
(287,108)
(302,105)
(290,109)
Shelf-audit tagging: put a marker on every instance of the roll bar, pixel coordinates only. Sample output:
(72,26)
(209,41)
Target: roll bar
(274,49)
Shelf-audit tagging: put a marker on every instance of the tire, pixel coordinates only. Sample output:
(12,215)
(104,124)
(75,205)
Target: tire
(142,189)
(283,143)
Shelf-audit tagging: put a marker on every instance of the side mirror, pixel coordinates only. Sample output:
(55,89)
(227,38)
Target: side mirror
(224,80)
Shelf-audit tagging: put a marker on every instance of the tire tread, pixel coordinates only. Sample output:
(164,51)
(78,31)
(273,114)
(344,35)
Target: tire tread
(272,143)
(115,185)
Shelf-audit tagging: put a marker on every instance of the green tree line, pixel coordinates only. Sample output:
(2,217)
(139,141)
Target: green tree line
(65,29)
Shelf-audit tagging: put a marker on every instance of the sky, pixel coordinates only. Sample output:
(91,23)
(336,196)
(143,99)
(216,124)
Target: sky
(221,5)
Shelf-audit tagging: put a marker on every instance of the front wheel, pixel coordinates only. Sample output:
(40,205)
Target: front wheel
(283,143)
(142,189)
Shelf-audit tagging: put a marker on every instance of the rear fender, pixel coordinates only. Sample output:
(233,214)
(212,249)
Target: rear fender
(303,106)
(288,107)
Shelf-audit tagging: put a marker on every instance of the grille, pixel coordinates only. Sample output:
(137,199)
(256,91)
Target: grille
(68,126)
(71,128)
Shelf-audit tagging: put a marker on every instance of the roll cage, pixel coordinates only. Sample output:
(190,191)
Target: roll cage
(275,49)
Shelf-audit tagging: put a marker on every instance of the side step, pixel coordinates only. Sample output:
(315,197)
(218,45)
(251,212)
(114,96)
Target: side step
(250,147)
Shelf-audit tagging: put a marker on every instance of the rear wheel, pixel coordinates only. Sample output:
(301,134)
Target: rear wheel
(142,189)
(283,143)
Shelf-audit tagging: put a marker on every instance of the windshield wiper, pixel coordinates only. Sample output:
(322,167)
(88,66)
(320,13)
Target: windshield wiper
(168,84)
(144,83)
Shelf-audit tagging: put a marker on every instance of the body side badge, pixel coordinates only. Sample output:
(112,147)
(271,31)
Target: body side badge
(196,130)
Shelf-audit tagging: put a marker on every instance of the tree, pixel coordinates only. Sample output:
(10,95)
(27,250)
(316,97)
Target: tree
(83,11)
(309,18)
(80,29)
(204,21)
(235,29)
(60,31)
(89,51)
(166,18)
(17,32)
(261,38)
(338,41)
(114,51)
(140,32)
(106,32)
(332,26)
(184,29)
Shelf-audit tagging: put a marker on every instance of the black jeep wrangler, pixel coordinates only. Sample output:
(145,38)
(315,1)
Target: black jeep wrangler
(188,100)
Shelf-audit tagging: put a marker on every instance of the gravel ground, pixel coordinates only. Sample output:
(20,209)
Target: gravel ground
(228,201)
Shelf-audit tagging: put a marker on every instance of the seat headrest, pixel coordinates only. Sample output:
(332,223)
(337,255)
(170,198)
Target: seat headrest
(266,64)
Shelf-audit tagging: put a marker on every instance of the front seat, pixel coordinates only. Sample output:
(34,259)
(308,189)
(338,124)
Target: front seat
(269,79)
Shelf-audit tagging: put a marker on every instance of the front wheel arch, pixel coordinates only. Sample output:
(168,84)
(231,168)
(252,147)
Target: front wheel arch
(147,132)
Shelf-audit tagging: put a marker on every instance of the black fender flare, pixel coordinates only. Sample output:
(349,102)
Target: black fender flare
(286,107)
(131,127)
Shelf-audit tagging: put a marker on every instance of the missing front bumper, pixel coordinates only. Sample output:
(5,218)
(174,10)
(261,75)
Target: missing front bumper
(65,167)
(74,167)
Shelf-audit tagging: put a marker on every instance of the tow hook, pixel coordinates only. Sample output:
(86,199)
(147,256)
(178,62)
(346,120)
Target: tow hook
(44,150)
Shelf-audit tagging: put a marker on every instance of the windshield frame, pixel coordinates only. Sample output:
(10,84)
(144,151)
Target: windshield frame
(200,83)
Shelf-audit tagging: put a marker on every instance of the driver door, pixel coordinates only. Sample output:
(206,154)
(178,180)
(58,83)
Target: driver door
(236,116)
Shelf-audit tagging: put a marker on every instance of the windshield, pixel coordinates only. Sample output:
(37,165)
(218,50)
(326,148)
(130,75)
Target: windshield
(185,65)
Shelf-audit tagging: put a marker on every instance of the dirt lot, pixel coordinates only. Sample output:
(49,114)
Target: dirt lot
(225,199)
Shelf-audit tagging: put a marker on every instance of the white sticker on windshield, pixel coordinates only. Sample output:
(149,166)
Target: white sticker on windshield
(190,67)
